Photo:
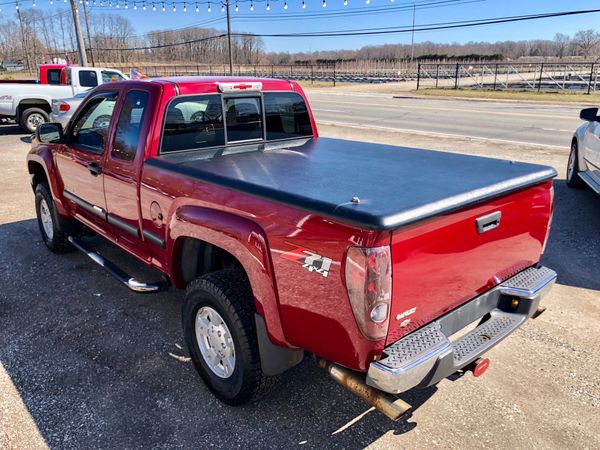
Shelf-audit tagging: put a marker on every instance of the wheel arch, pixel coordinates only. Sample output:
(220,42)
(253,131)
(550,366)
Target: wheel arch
(578,140)
(41,169)
(26,103)
(203,239)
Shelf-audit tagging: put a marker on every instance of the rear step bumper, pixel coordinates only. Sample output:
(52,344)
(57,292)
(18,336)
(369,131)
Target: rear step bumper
(427,356)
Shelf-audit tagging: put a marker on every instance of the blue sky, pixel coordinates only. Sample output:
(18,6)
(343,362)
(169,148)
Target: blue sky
(396,13)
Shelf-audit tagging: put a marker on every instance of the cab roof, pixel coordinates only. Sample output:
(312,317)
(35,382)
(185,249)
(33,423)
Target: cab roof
(193,85)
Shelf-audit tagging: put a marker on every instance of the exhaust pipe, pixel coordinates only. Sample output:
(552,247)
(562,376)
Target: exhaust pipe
(355,383)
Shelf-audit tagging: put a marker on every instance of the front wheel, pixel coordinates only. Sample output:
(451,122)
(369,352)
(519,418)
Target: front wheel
(573,178)
(220,332)
(49,222)
(31,118)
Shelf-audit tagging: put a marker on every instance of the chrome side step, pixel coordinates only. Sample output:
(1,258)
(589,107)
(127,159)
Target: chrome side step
(117,272)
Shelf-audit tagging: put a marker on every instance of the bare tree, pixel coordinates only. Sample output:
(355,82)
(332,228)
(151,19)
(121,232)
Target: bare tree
(562,42)
(587,42)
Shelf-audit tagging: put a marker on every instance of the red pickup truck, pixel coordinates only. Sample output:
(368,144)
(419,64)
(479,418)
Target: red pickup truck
(374,258)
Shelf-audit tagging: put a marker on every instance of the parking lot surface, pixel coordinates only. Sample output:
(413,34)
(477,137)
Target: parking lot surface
(86,363)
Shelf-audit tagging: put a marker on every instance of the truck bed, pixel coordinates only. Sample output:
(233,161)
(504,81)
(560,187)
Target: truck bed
(396,186)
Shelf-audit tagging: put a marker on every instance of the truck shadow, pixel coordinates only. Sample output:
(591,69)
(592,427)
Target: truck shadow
(12,129)
(92,360)
(573,249)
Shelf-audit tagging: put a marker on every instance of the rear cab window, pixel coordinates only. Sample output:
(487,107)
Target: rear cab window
(53,76)
(210,120)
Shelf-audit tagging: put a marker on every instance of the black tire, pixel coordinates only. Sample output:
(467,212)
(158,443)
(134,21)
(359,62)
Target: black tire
(26,121)
(57,242)
(227,292)
(573,178)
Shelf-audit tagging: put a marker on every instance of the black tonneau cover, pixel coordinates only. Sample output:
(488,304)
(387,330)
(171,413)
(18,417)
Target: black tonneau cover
(395,186)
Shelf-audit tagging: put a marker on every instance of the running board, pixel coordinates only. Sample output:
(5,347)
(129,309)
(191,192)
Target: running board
(117,272)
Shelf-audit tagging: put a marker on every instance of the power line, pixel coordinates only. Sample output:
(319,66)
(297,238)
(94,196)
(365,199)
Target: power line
(432,27)
(375,31)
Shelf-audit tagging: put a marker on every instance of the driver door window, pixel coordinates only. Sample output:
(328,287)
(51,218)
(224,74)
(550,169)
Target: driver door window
(90,130)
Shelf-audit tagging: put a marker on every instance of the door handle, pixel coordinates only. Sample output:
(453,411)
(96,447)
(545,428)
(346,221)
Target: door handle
(94,168)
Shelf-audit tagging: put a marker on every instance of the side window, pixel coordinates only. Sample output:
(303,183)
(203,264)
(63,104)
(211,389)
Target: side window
(192,123)
(129,125)
(53,76)
(243,118)
(108,76)
(90,129)
(88,78)
(286,116)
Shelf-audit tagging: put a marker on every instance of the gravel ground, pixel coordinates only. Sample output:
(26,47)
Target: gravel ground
(85,363)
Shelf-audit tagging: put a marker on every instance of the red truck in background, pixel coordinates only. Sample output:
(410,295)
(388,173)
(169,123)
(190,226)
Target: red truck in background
(47,74)
(371,257)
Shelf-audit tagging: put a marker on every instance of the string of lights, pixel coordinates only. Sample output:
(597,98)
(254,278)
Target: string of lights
(237,5)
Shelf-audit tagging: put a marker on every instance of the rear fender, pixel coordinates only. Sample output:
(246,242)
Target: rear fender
(243,239)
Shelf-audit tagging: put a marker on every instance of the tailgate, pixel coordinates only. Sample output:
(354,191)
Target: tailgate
(443,262)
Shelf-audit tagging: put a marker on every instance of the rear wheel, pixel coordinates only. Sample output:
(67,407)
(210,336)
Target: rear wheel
(31,118)
(220,332)
(573,178)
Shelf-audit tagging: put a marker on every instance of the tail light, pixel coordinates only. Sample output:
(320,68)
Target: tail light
(549,219)
(64,107)
(369,284)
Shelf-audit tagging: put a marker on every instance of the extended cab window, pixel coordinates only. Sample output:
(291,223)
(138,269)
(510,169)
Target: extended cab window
(88,78)
(193,122)
(243,119)
(128,128)
(286,115)
(90,129)
(109,75)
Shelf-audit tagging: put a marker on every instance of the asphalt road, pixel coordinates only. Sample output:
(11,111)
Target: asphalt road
(86,364)
(499,121)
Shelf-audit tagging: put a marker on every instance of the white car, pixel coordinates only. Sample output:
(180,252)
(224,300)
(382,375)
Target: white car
(63,108)
(584,161)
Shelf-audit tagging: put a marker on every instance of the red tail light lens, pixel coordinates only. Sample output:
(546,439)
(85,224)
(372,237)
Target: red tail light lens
(64,107)
(369,284)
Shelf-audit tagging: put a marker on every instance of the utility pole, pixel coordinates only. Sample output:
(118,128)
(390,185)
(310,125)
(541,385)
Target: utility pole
(78,34)
(87,26)
(412,41)
(228,38)
(24,38)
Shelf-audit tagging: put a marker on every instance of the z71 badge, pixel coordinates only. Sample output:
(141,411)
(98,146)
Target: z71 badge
(311,261)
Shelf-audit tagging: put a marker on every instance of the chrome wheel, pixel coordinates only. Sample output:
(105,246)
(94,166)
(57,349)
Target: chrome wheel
(46,218)
(215,342)
(571,165)
(35,119)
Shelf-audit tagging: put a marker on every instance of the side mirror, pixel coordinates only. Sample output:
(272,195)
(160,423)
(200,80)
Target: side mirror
(49,133)
(589,114)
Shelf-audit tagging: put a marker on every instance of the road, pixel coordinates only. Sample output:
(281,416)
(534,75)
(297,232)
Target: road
(84,363)
(498,121)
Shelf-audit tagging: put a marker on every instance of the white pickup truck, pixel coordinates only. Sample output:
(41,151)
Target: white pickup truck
(30,104)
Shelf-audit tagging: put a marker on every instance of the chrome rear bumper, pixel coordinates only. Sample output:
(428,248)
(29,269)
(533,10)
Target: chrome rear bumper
(427,356)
